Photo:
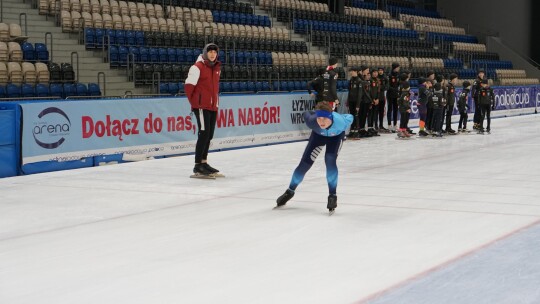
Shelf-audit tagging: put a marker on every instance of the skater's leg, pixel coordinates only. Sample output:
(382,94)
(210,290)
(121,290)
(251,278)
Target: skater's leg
(333,146)
(313,149)
(488,116)
(382,105)
(205,125)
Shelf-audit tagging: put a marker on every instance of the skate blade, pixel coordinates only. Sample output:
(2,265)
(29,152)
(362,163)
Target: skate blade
(217,175)
(278,207)
(202,176)
(331,212)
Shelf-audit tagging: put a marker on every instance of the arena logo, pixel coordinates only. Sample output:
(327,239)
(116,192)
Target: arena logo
(54,124)
(513,99)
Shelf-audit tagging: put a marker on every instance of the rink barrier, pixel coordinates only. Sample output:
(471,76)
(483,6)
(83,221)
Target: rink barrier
(51,135)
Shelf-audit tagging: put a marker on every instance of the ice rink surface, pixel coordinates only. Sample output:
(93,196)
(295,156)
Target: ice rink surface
(416,220)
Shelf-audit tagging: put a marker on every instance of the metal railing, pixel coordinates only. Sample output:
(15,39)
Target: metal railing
(50,47)
(75,64)
(104,92)
(25,22)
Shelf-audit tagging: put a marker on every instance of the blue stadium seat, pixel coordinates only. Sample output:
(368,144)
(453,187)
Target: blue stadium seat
(113,56)
(93,89)
(153,53)
(181,55)
(122,55)
(258,86)
(27,90)
(162,53)
(139,38)
(189,55)
(164,88)
(173,88)
(144,55)
(120,37)
(90,38)
(235,87)
(2,91)
(242,86)
(28,52)
(42,53)
(134,53)
(110,34)
(131,38)
(226,87)
(56,90)
(42,90)
(180,87)
(13,91)
(171,54)
(99,37)
(81,89)
(266,86)
(69,90)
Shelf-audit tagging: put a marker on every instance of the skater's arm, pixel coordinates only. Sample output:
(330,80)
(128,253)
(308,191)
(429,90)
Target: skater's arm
(191,82)
(310,118)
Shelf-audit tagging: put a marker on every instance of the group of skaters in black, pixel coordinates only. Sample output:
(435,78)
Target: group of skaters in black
(371,92)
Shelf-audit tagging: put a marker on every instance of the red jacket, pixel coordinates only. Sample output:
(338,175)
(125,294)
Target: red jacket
(202,85)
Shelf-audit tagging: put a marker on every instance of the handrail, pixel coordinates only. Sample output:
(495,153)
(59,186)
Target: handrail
(25,22)
(104,93)
(51,51)
(76,57)
(154,74)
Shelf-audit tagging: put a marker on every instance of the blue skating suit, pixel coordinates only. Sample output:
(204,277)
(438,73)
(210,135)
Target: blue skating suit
(332,138)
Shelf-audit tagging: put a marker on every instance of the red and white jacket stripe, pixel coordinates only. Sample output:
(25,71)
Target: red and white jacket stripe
(202,85)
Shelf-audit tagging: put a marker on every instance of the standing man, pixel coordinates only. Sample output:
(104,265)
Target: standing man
(429,118)
(393,94)
(486,103)
(330,83)
(450,102)
(365,101)
(477,85)
(202,90)
(374,91)
(354,99)
(383,80)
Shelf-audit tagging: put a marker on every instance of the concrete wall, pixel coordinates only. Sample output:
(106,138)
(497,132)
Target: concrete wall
(510,19)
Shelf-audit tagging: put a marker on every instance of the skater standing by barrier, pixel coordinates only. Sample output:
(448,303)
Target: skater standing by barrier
(202,91)
(393,94)
(477,85)
(486,100)
(463,107)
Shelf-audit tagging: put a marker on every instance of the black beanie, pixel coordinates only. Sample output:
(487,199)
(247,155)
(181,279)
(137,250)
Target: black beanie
(395,65)
(429,73)
(332,61)
(466,84)
(452,76)
(209,47)
(439,78)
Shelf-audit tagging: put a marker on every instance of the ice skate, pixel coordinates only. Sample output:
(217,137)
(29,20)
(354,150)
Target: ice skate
(284,198)
(332,203)
(200,171)
(422,133)
(213,171)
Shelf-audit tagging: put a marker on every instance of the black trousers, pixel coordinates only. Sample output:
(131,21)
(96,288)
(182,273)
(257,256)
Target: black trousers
(449,112)
(362,115)
(477,118)
(206,123)
(404,120)
(485,111)
(381,106)
(392,111)
(436,118)
(354,113)
(463,120)
(429,118)
(373,116)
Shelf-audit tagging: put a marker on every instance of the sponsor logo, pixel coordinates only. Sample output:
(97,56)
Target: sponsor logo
(50,131)
(513,99)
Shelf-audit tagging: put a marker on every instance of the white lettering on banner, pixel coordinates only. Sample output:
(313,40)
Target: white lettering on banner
(414,106)
(515,98)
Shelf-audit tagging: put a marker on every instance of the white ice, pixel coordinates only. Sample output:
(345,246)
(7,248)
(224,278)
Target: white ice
(146,233)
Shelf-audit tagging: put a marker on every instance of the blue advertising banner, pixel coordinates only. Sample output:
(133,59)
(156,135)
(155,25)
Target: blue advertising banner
(72,130)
